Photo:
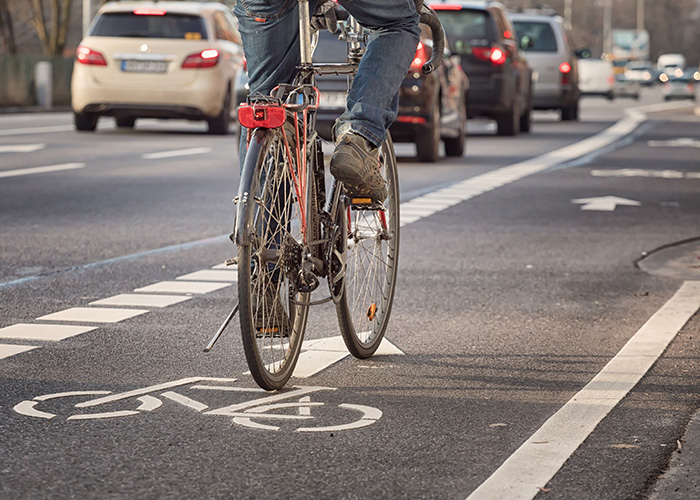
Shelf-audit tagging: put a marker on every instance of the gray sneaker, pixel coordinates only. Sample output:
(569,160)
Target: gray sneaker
(356,164)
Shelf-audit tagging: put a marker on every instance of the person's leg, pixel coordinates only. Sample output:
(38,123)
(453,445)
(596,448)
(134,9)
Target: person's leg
(270,34)
(372,104)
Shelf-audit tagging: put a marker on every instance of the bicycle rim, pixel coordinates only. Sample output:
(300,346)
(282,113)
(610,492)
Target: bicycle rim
(273,315)
(372,263)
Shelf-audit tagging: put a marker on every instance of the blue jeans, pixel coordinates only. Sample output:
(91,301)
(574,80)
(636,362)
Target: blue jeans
(270,33)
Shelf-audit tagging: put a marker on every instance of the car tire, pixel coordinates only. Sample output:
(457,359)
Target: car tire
(508,123)
(570,113)
(428,143)
(454,146)
(219,125)
(526,121)
(128,122)
(85,122)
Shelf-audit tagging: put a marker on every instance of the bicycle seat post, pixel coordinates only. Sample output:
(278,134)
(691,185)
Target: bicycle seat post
(305,32)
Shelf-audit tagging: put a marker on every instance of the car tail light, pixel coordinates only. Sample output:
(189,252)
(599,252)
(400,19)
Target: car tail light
(252,116)
(85,55)
(420,58)
(205,59)
(565,70)
(691,88)
(493,54)
(411,119)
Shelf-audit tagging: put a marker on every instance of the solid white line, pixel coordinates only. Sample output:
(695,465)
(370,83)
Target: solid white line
(22,148)
(36,130)
(544,453)
(179,152)
(41,170)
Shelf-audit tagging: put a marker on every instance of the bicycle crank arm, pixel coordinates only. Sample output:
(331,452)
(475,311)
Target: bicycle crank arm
(221,329)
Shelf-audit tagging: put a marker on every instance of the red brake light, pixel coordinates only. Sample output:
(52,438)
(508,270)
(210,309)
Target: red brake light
(149,12)
(420,58)
(261,116)
(507,34)
(445,6)
(565,67)
(205,59)
(85,55)
(498,57)
(493,54)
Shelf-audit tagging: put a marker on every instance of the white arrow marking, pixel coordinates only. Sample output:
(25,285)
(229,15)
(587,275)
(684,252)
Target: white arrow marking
(604,203)
(22,148)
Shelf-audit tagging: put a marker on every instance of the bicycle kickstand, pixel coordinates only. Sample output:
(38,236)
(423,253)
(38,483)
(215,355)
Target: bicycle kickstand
(221,329)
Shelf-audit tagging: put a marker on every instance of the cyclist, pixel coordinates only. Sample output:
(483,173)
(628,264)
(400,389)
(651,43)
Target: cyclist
(269,29)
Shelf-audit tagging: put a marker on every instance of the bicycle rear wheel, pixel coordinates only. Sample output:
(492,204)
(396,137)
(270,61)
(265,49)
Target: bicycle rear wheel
(372,264)
(273,313)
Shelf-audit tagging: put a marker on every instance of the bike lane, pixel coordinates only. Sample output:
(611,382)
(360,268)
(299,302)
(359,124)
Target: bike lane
(438,403)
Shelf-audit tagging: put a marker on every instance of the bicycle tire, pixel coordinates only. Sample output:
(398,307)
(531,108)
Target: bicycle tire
(371,266)
(273,314)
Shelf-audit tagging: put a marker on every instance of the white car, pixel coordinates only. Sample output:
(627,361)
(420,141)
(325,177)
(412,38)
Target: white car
(157,60)
(596,77)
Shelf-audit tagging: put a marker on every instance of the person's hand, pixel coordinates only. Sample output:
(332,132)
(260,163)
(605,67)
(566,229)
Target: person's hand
(324,16)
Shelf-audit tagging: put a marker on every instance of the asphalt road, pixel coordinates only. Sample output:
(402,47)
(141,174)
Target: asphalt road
(504,376)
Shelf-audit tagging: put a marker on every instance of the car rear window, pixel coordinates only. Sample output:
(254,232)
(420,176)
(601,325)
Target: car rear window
(465,24)
(539,35)
(129,24)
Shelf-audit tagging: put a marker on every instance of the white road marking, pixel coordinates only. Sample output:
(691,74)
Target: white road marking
(318,354)
(224,266)
(27,408)
(210,275)
(22,148)
(182,287)
(7,350)
(184,400)
(681,142)
(36,130)
(94,314)
(179,152)
(28,331)
(147,390)
(109,414)
(638,172)
(41,170)
(149,403)
(604,203)
(142,300)
(369,417)
(544,453)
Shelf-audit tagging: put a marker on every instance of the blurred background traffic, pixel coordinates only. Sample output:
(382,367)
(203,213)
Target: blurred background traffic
(129,60)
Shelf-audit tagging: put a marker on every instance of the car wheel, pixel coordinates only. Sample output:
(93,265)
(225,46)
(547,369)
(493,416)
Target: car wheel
(526,121)
(454,146)
(128,122)
(570,113)
(85,122)
(220,124)
(428,143)
(509,122)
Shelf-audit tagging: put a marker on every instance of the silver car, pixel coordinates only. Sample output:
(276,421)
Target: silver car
(547,42)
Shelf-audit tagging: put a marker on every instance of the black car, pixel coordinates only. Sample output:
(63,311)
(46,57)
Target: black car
(499,74)
(431,107)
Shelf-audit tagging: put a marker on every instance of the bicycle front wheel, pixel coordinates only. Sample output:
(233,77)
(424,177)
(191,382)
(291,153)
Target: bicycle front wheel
(371,266)
(273,313)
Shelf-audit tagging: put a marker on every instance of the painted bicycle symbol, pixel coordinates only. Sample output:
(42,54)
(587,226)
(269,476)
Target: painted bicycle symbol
(290,405)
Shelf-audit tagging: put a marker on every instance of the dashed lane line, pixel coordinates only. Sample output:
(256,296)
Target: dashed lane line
(7,350)
(140,300)
(176,153)
(197,287)
(94,315)
(28,331)
(210,275)
(41,170)
(36,130)
(532,465)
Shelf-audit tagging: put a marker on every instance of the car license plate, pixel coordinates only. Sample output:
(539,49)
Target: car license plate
(136,66)
(332,100)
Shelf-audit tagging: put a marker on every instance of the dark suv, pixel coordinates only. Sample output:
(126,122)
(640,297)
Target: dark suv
(500,77)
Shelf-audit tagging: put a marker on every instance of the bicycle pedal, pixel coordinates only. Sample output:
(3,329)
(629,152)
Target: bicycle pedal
(272,332)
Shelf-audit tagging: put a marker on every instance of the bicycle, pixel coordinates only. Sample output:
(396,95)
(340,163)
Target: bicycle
(290,235)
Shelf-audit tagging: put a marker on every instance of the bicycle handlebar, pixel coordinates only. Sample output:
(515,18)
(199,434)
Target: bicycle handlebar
(430,19)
